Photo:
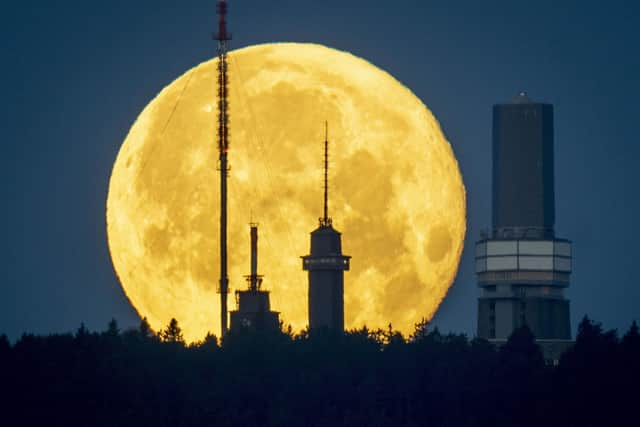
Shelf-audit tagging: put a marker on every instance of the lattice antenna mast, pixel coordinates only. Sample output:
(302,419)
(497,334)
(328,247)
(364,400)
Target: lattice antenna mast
(223,38)
(325,221)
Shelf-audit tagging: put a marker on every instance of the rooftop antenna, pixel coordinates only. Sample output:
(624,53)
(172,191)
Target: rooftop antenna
(325,221)
(223,147)
(253,306)
(254,279)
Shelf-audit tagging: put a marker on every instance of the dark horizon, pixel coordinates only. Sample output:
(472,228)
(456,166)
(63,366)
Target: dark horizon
(79,74)
(321,378)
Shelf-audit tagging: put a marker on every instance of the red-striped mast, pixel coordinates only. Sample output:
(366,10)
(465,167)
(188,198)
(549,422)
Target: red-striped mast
(223,38)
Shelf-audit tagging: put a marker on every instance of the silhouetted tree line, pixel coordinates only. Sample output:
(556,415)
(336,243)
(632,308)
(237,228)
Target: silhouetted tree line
(360,378)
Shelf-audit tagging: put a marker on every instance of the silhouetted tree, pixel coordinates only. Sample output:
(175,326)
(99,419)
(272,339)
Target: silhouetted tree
(593,345)
(519,378)
(590,370)
(522,350)
(82,336)
(173,333)
(210,342)
(420,330)
(589,332)
(112,328)
(629,371)
(82,331)
(144,330)
(140,335)
(392,338)
(360,377)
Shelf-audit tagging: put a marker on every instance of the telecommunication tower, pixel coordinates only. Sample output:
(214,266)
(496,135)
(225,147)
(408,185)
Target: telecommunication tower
(522,267)
(223,37)
(326,266)
(253,307)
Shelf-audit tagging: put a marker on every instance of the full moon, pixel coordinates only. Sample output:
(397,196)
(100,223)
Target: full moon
(395,191)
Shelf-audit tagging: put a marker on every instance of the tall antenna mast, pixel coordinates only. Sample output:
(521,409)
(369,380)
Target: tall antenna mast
(325,221)
(223,147)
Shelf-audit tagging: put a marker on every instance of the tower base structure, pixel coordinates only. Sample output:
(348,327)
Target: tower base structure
(551,350)
(254,312)
(253,308)
(522,281)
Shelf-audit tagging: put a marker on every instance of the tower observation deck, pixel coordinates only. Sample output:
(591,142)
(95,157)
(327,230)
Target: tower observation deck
(522,268)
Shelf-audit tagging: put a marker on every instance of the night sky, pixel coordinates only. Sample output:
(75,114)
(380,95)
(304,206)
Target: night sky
(76,75)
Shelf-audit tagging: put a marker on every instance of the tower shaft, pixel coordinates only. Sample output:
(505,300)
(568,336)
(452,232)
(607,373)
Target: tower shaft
(523,202)
(223,147)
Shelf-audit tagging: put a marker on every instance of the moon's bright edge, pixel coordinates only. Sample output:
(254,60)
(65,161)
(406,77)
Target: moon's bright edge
(396,192)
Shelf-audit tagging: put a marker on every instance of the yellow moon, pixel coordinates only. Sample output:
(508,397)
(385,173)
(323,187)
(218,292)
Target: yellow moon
(396,192)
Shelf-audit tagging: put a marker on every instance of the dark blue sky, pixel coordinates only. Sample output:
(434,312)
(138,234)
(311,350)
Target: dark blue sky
(76,74)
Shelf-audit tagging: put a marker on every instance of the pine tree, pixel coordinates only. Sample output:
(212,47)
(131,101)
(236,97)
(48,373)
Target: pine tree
(173,333)
(145,329)
(420,331)
(210,342)
(521,349)
(82,333)
(112,329)
(594,344)
(588,331)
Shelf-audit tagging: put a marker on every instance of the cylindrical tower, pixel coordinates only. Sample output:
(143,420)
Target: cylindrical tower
(326,265)
(522,267)
(523,193)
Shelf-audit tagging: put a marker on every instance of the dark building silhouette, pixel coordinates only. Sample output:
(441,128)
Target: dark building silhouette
(326,266)
(253,307)
(522,267)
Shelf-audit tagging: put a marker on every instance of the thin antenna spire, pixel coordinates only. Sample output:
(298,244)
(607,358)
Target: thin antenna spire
(326,168)
(325,220)
(223,147)
(254,279)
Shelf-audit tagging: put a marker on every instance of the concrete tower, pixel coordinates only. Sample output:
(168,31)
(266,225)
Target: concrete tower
(522,268)
(253,307)
(326,265)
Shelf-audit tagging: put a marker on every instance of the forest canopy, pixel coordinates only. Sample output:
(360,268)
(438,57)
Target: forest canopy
(362,377)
